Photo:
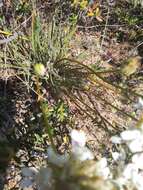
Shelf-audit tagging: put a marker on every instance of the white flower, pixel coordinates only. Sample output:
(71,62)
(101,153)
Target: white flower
(133,138)
(116,155)
(56,159)
(129,171)
(137,159)
(102,168)
(121,181)
(106,173)
(78,138)
(116,140)
(136,145)
(79,151)
(103,162)
(82,154)
(138,181)
(129,135)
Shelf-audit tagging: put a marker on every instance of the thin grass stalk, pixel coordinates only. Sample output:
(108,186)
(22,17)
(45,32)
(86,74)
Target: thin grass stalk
(44,113)
(115,107)
(100,77)
(75,98)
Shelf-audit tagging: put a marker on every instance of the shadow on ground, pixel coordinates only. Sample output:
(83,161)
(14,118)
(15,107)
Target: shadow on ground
(15,104)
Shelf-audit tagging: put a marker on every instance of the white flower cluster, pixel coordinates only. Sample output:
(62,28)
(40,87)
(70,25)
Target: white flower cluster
(79,150)
(131,176)
(80,166)
(79,163)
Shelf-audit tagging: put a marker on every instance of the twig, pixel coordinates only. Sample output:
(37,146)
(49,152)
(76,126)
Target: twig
(73,97)
(105,29)
(115,107)
(131,52)
(9,39)
(26,84)
(98,25)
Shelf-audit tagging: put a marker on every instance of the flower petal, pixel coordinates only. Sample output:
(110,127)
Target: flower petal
(136,145)
(78,138)
(130,134)
(129,171)
(116,155)
(56,159)
(82,154)
(137,159)
(116,140)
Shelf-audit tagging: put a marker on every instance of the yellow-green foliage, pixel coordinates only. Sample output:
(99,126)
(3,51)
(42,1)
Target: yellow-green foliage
(82,3)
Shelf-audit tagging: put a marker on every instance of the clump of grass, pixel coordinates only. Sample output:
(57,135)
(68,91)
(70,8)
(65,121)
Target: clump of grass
(40,51)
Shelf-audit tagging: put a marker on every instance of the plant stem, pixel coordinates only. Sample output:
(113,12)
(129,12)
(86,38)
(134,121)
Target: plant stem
(44,113)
